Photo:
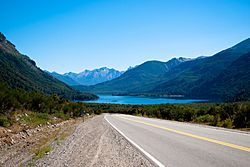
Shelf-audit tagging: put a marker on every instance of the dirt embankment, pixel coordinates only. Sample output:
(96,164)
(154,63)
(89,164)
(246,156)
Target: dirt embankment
(22,147)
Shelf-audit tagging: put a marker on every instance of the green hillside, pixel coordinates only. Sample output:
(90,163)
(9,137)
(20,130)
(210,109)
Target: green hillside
(185,78)
(187,81)
(232,84)
(19,71)
(136,78)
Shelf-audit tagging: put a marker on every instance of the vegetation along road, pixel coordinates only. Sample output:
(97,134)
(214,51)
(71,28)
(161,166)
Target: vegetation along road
(170,143)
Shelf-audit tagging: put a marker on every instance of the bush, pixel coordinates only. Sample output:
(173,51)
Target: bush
(61,115)
(4,121)
(204,118)
(228,123)
(33,119)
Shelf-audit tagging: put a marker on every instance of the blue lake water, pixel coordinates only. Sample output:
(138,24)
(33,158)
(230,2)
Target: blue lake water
(141,100)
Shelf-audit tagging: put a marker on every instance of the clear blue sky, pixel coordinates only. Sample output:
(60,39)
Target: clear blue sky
(72,35)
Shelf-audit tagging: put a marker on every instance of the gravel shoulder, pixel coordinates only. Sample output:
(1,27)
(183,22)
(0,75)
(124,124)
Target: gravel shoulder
(20,148)
(94,143)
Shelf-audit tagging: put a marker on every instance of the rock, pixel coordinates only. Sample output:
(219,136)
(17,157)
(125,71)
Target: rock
(23,135)
(3,132)
(12,141)
(27,132)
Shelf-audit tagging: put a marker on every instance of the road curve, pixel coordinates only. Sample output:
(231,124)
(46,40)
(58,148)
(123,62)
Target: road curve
(175,144)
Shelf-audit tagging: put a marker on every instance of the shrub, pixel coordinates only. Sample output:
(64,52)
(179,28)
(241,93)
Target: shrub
(4,121)
(33,118)
(204,118)
(228,123)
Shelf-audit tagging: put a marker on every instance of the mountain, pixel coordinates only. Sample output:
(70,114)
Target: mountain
(92,77)
(190,78)
(63,78)
(88,77)
(19,71)
(233,83)
(136,77)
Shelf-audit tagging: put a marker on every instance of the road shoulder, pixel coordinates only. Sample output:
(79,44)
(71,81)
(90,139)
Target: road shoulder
(94,143)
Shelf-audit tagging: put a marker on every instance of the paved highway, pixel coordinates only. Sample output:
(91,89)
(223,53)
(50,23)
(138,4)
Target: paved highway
(176,144)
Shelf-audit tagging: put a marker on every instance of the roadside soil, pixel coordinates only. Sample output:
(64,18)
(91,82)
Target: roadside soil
(18,147)
(94,143)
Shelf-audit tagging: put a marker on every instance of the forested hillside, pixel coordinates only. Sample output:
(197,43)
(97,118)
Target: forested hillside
(197,78)
(19,71)
(189,80)
(232,84)
(136,78)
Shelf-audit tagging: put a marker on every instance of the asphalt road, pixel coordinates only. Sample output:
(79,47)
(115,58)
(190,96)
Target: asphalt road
(170,143)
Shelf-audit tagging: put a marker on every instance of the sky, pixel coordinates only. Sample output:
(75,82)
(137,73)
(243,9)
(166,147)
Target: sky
(73,35)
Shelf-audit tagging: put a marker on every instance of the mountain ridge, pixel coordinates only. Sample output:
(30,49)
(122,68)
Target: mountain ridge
(135,77)
(204,71)
(185,79)
(231,81)
(18,71)
(88,77)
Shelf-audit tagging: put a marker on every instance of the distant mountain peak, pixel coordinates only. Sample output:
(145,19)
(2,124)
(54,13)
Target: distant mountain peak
(180,59)
(104,68)
(183,59)
(89,77)
(174,62)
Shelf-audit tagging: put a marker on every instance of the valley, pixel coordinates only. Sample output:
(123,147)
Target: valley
(198,78)
(125,83)
(84,119)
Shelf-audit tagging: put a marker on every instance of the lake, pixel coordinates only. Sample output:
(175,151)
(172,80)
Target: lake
(141,100)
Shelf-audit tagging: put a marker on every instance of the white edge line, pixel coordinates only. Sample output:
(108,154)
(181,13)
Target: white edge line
(158,163)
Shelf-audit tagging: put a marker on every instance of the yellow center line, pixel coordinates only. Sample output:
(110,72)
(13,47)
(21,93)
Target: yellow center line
(191,135)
